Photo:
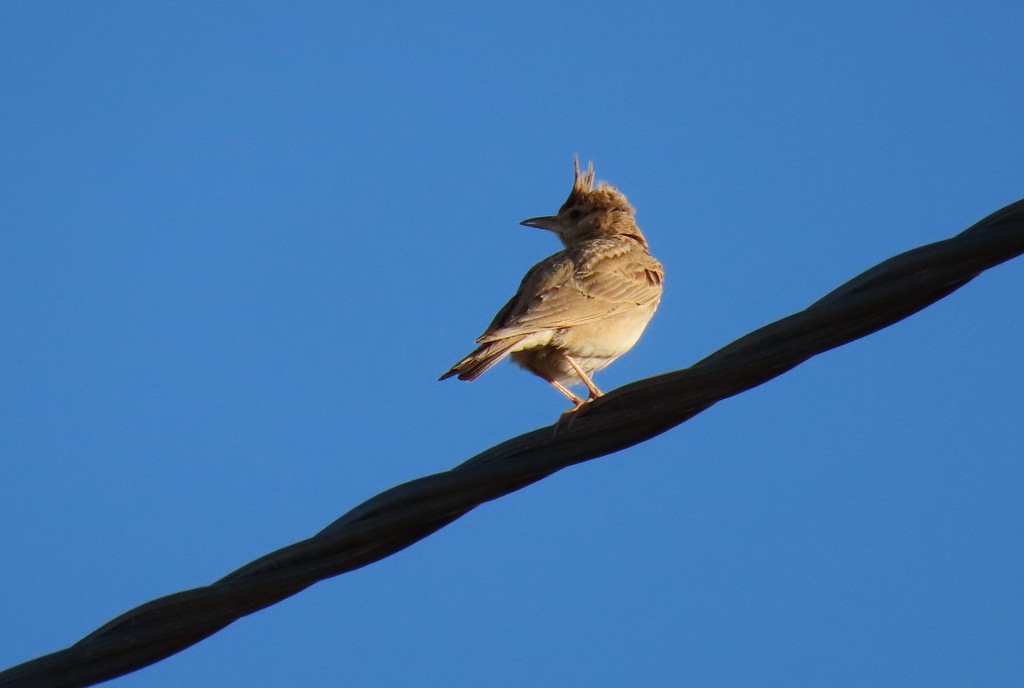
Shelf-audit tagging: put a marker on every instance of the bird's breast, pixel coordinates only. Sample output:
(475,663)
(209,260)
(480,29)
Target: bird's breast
(591,345)
(607,338)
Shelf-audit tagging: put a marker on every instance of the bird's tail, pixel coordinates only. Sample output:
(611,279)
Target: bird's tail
(485,356)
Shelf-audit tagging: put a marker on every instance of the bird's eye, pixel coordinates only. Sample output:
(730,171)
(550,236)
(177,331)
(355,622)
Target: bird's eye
(575,214)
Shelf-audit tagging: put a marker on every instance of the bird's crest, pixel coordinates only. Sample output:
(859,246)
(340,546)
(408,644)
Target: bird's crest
(583,192)
(582,183)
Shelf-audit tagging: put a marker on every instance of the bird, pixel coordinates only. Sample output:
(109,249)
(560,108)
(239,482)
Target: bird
(580,309)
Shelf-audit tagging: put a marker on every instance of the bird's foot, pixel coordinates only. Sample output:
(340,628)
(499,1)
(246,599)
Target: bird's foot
(566,419)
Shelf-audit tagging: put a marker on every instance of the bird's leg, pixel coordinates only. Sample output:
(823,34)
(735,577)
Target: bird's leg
(576,401)
(594,391)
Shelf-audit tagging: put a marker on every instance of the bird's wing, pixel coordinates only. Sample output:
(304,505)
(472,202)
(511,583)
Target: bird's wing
(575,287)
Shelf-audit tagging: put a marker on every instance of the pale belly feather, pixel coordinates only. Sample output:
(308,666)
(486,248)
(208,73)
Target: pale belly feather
(592,345)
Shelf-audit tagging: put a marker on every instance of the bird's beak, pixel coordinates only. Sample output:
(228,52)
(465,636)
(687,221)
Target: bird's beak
(549,222)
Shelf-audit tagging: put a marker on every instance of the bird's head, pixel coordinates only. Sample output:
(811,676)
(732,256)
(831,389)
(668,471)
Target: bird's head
(590,212)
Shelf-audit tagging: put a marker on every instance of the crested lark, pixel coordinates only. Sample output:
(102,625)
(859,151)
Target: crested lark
(580,309)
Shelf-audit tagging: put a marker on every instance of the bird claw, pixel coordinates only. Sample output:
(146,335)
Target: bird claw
(566,419)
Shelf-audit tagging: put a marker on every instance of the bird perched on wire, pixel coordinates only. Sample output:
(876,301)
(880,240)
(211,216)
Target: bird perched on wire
(580,309)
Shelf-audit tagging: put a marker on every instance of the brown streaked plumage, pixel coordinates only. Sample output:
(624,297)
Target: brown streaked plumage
(580,309)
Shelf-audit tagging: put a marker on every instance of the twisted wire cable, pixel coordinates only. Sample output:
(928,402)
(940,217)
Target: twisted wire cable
(402,515)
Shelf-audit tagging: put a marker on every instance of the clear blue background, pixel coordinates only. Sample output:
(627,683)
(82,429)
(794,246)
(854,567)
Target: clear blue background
(240,242)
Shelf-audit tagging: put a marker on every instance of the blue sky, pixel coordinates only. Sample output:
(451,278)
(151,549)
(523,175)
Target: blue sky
(241,243)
